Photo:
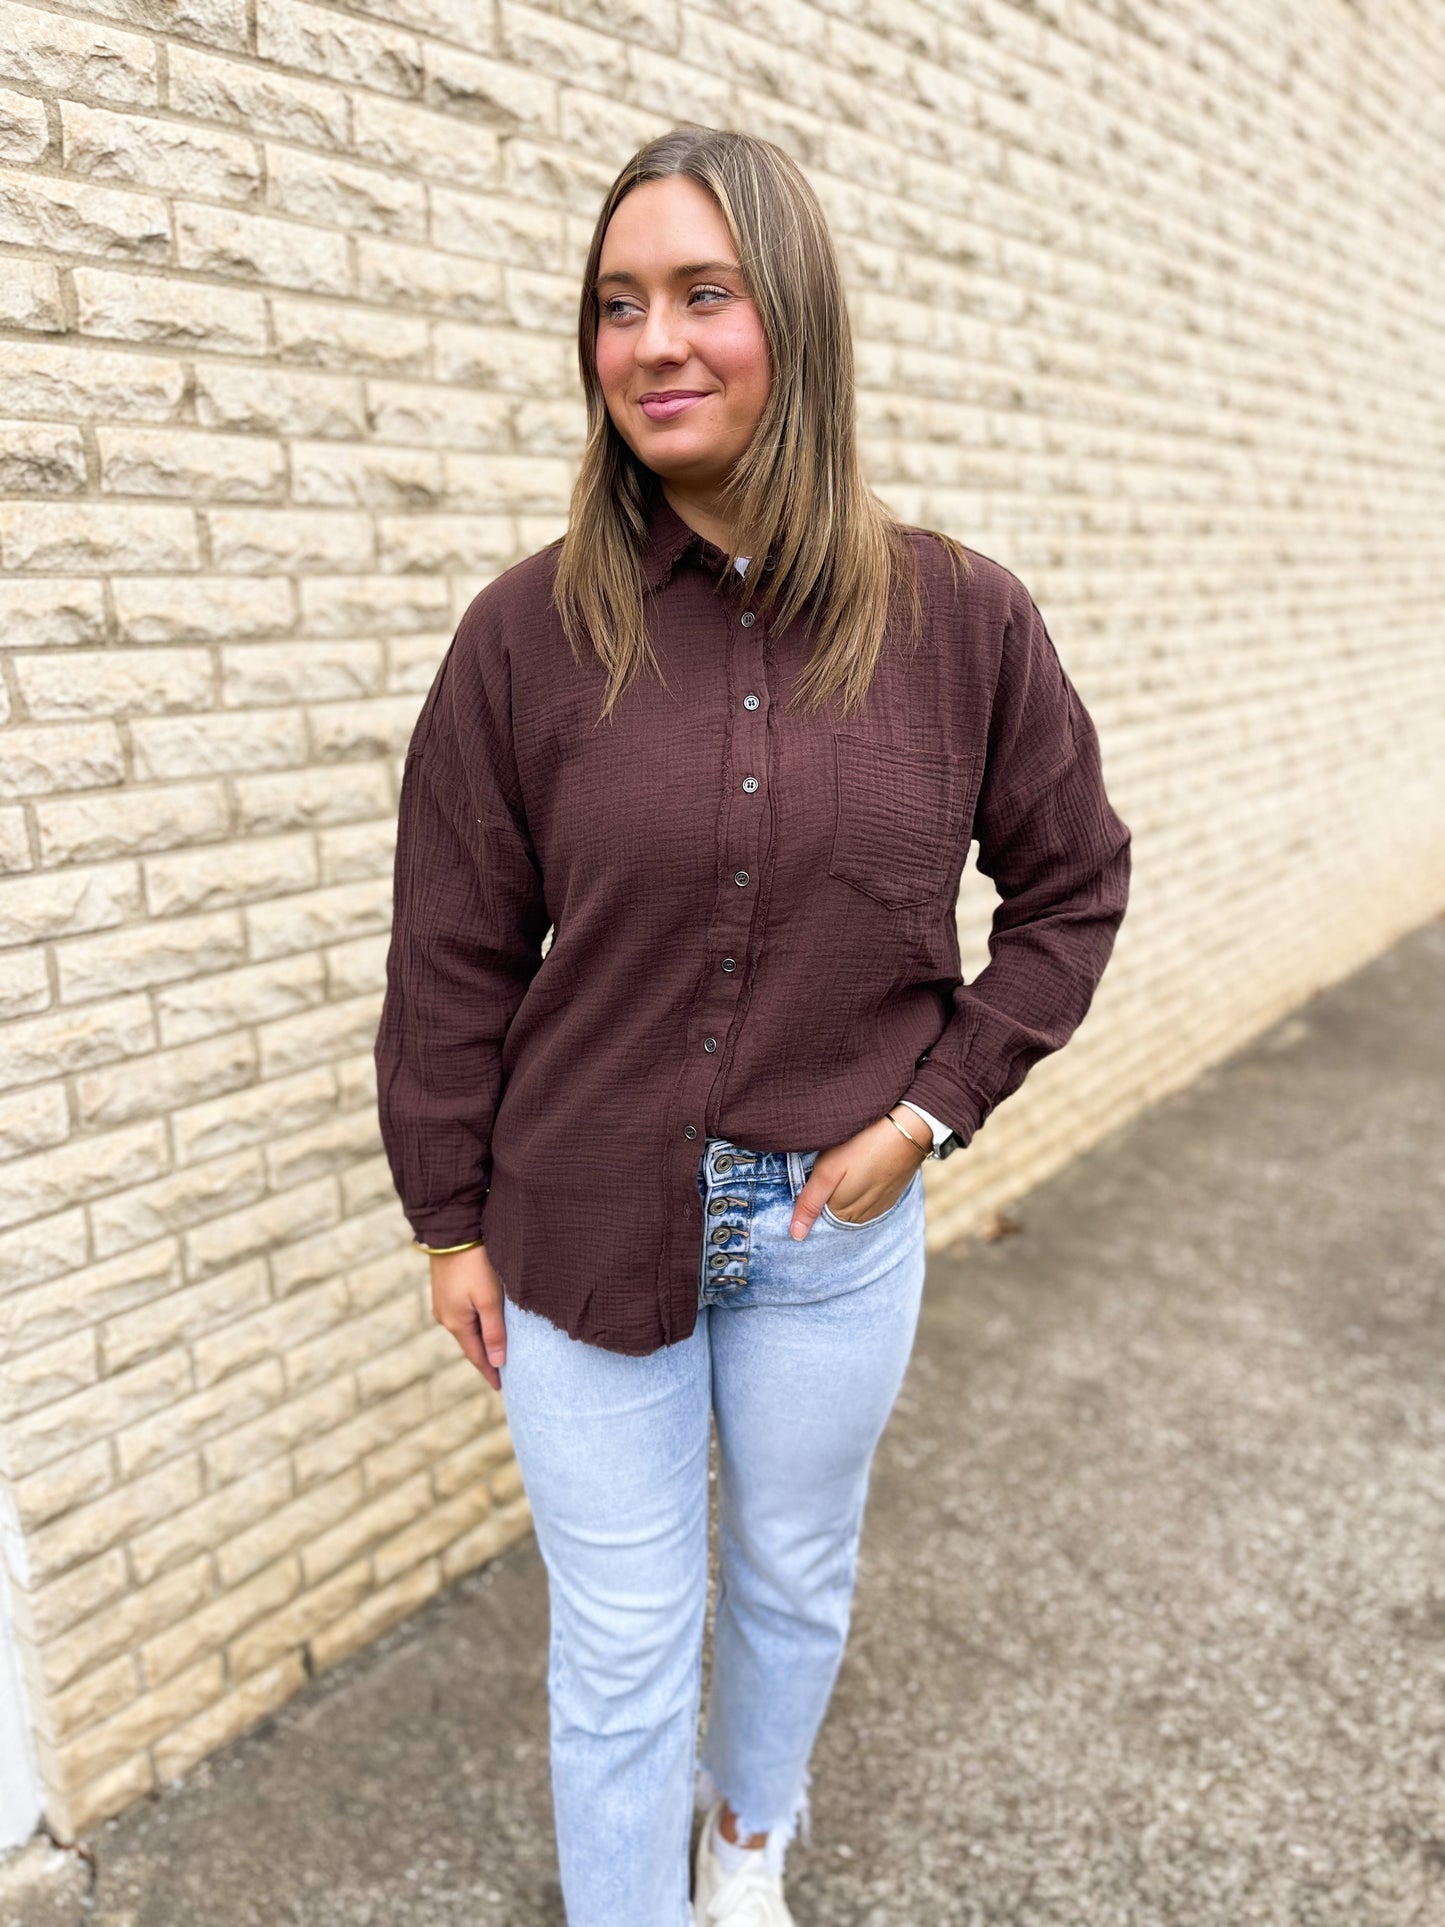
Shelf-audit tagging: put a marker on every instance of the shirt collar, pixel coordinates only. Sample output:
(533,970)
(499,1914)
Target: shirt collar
(668,538)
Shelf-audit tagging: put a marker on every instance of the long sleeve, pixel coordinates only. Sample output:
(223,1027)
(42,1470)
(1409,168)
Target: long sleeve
(468,923)
(1059,856)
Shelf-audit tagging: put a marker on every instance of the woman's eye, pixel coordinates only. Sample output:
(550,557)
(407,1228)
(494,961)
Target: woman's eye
(611,308)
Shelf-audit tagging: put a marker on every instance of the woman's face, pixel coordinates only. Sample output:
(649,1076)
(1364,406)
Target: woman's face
(677,320)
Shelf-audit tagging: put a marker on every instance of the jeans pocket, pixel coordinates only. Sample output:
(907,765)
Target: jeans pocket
(800,1169)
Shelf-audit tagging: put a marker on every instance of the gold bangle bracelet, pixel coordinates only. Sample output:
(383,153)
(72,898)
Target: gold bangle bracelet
(442,1251)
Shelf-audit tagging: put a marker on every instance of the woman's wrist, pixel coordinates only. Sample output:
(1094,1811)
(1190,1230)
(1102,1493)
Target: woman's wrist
(898,1125)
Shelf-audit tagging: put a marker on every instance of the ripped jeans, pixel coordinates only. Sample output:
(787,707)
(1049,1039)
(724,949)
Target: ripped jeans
(799,1351)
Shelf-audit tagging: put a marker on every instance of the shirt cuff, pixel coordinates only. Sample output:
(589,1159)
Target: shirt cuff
(939,1129)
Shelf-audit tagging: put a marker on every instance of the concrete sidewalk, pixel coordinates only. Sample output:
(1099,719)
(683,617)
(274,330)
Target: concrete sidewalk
(1150,1627)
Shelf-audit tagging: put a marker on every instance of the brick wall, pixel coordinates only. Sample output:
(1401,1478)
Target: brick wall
(1146,308)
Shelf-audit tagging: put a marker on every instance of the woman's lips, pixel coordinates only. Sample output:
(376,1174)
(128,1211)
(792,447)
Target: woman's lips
(663,411)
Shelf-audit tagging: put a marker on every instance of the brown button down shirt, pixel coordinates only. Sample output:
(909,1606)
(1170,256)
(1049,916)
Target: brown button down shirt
(753,915)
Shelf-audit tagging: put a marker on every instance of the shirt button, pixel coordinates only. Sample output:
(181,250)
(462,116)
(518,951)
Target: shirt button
(740,877)
(689,1130)
(709,1043)
(747,618)
(750,783)
(750,702)
(730,963)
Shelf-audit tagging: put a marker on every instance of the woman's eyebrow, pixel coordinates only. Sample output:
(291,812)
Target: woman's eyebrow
(678,273)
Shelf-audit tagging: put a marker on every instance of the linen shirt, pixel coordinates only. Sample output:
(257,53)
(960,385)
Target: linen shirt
(751,908)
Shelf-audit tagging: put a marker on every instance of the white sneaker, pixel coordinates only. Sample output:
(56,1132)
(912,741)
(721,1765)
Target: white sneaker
(751,1897)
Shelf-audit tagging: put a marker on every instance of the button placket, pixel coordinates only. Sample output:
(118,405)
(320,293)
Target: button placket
(725,1249)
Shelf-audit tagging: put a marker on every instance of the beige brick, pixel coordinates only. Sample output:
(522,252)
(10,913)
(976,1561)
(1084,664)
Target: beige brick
(170,155)
(342,473)
(146,954)
(350,50)
(61,536)
(64,1484)
(311,1612)
(258,869)
(182,314)
(73,1812)
(280,401)
(288,538)
(188,1422)
(30,1120)
(255,247)
(78,829)
(166,1080)
(93,1698)
(232,1715)
(443,542)
(190,462)
(441,1527)
(74,1602)
(185,1198)
(39,1299)
(289,1528)
(123,1515)
(45,1372)
(376,1613)
(423,414)
(264,1334)
(316,795)
(221,1126)
(279,1432)
(62,902)
(71,217)
(213,1246)
(41,458)
(201,608)
(211,1522)
(205,86)
(14,843)
(58,55)
(309,1260)
(351,1344)
(144,1612)
(367,1183)
(372,1429)
(472,1454)
(335,1145)
(340,194)
(79,380)
(365,1527)
(323,335)
(405,138)
(30,290)
(99,1410)
(184,1315)
(35,762)
(315,1037)
(383,605)
(231,998)
(505,1526)
(82,683)
(492,486)
(179,746)
(207,1631)
(145,1721)
(320,917)
(86,1167)
(289,672)
(74,1040)
(352,968)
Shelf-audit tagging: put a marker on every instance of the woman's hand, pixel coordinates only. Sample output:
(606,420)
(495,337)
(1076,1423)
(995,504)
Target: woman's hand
(466,1297)
(859,1178)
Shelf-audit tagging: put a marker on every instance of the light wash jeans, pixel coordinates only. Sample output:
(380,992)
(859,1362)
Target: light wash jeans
(799,1352)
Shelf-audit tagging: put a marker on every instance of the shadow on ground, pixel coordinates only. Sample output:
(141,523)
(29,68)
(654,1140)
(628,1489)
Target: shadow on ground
(1150,1627)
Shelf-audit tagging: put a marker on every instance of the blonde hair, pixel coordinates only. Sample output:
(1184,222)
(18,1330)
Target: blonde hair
(797,495)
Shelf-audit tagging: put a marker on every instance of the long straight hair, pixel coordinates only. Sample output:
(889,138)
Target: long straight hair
(797,495)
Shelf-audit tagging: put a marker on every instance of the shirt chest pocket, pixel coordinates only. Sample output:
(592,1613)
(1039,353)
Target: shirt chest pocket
(900,828)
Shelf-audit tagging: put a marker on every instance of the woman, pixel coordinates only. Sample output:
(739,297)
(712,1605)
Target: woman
(729,738)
